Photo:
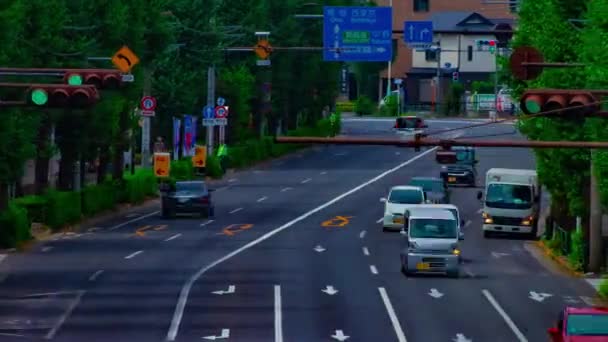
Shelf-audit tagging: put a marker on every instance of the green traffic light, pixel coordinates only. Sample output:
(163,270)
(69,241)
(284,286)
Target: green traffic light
(533,106)
(75,80)
(40,97)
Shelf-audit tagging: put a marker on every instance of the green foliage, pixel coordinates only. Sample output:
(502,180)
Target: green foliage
(98,198)
(138,187)
(577,249)
(390,106)
(15,226)
(346,106)
(63,208)
(603,290)
(483,87)
(453,103)
(182,169)
(237,86)
(364,106)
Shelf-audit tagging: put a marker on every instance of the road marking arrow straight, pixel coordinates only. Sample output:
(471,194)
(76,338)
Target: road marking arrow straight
(225,334)
(461,338)
(339,335)
(435,294)
(330,290)
(539,297)
(231,289)
(319,249)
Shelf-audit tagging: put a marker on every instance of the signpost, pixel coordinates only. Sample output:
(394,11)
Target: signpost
(357,34)
(148,105)
(162,164)
(208,112)
(219,117)
(200,156)
(418,34)
(125,59)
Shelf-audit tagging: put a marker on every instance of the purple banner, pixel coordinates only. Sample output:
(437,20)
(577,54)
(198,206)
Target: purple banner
(177,123)
(189,135)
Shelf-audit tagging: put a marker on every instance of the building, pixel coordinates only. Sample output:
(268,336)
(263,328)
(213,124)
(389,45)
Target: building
(406,10)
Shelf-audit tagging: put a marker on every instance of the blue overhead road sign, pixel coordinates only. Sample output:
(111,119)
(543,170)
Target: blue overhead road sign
(418,32)
(357,34)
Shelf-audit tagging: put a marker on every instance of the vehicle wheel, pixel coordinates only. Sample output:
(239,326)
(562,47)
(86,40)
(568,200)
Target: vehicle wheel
(487,234)
(167,214)
(384,229)
(454,274)
(212,212)
(205,213)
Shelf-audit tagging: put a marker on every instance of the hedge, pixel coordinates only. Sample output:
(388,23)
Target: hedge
(14,226)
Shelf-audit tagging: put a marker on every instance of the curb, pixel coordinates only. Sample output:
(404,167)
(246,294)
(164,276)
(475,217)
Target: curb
(561,260)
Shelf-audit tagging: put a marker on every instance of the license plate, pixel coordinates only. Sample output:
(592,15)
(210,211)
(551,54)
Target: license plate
(398,220)
(423,266)
(451,179)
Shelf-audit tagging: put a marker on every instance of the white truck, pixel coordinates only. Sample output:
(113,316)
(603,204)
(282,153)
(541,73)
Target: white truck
(512,201)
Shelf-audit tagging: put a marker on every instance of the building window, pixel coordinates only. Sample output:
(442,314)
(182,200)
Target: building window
(421,5)
(513,5)
(430,55)
(470,53)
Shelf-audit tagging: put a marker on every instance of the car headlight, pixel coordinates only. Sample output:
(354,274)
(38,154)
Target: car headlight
(527,221)
(487,219)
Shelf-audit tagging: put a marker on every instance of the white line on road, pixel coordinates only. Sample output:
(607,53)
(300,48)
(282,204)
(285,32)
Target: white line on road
(261,199)
(206,223)
(236,210)
(133,220)
(232,180)
(94,276)
(132,255)
(373,269)
(392,315)
(365,251)
(65,316)
(306,180)
(362,234)
(504,316)
(466,224)
(278,316)
(185,291)
(480,210)
(323,172)
(47,249)
(380,220)
(286,189)
(2,257)
(173,237)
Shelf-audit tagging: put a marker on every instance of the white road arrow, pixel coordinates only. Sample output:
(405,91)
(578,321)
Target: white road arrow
(423,32)
(330,290)
(539,297)
(498,255)
(435,294)
(225,334)
(319,249)
(336,29)
(461,338)
(230,290)
(339,335)
(412,29)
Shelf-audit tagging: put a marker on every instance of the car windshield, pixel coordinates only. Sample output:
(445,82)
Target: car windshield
(428,185)
(587,324)
(433,229)
(190,187)
(407,122)
(455,213)
(464,156)
(406,197)
(509,196)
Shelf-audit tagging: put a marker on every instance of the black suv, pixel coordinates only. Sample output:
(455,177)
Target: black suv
(463,171)
(187,197)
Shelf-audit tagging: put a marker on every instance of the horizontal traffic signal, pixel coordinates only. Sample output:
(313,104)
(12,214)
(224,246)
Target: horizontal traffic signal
(490,43)
(59,95)
(559,101)
(100,78)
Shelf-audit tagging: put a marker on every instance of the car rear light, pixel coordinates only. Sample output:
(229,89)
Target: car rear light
(205,199)
(396,126)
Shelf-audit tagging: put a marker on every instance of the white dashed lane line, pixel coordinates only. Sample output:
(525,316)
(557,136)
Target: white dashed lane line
(286,189)
(132,255)
(306,180)
(236,210)
(261,199)
(373,269)
(173,237)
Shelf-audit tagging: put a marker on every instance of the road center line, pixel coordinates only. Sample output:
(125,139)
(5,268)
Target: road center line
(133,220)
(65,316)
(466,224)
(185,291)
(362,234)
(392,315)
(373,269)
(261,199)
(323,172)
(365,251)
(286,189)
(380,220)
(236,210)
(132,255)
(173,237)
(504,316)
(278,315)
(306,180)
(94,276)
(206,223)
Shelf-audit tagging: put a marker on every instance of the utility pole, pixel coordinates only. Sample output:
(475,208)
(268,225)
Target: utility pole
(210,103)
(145,133)
(595,222)
(438,83)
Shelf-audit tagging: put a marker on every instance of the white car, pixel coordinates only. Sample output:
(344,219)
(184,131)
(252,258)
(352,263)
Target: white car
(399,199)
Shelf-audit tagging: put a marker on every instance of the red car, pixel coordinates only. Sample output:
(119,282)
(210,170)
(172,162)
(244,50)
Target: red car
(581,325)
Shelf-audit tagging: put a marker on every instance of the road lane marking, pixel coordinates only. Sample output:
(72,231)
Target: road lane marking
(373,269)
(236,210)
(362,234)
(161,227)
(306,180)
(480,210)
(380,220)
(132,215)
(323,173)
(132,255)
(94,276)
(466,224)
(365,251)
(232,180)
(261,199)
(278,316)
(286,189)
(133,220)
(337,221)
(185,291)
(206,223)
(47,249)
(173,237)
(65,316)
(392,315)
(235,228)
(504,316)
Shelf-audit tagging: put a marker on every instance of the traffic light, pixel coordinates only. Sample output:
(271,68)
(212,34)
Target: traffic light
(100,78)
(559,101)
(490,43)
(455,76)
(59,95)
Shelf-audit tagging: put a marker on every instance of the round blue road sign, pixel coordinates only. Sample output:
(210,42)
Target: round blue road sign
(208,112)
(221,101)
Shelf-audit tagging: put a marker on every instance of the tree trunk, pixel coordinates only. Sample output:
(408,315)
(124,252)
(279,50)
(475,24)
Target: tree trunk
(4,198)
(41,182)
(66,172)
(83,172)
(121,146)
(104,161)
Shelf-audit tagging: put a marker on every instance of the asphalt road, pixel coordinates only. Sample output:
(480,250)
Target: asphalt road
(295,253)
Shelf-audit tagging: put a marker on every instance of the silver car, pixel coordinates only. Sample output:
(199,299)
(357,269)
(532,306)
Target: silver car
(432,244)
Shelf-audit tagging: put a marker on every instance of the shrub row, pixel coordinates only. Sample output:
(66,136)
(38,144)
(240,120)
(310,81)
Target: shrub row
(346,106)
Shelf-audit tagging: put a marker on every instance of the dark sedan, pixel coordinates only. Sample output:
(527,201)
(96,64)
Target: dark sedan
(435,189)
(463,171)
(187,197)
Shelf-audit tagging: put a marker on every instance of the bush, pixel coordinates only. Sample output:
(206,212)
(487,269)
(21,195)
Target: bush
(135,188)
(35,206)
(603,290)
(577,249)
(98,198)
(214,168)
(365,106)
(390,106)
(63,208)
(182,169)
(14,226)
(346,106)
